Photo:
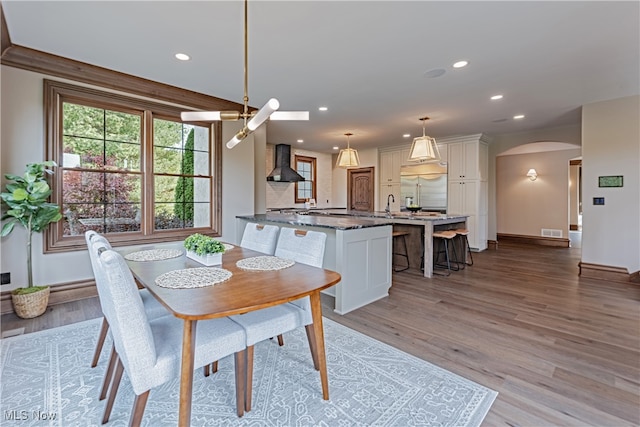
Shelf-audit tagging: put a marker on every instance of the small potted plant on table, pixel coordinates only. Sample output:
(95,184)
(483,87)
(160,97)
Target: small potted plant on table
(26,202)
(204,249)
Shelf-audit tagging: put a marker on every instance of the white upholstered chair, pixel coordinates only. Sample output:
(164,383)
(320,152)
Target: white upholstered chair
(152,307)
(306,247)
(260,238)
(150,351)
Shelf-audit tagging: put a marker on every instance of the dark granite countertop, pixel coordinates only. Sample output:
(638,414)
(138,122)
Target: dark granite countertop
(341,219)
(343,222)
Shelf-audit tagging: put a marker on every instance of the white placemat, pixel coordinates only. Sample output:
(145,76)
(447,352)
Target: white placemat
(193,277)
(264,263)
(228,247)
(153,255)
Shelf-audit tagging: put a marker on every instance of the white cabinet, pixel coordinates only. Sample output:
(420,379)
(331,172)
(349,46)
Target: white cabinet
(390,162)
(467,188)
(467,160)
(385,190)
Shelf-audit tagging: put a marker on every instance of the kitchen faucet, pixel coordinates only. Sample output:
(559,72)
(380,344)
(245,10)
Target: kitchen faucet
(388,208)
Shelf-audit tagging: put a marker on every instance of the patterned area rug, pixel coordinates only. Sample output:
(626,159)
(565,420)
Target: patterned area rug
(46,380)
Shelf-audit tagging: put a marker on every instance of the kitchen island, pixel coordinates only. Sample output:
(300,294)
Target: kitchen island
(359,246)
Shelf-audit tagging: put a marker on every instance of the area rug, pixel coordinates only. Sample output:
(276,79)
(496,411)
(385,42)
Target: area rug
(46,380)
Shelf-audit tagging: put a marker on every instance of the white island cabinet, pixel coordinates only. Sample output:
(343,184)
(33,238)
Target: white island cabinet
(357,248)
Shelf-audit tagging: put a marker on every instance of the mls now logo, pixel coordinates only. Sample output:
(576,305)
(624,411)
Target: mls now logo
(23,415)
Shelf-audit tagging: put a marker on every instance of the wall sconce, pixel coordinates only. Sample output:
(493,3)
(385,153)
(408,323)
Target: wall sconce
(532,174)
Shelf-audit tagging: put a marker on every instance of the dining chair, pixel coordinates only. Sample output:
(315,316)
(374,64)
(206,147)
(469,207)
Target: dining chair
(302,246)
(152,307)
(260,238)
(150,351)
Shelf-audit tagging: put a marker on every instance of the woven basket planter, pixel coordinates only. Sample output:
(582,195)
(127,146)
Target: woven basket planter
(31,305)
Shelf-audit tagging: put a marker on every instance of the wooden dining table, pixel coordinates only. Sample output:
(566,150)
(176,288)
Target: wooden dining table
(245,291)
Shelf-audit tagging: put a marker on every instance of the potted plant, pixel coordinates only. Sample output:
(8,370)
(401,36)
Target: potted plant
(204,249)
(26,204)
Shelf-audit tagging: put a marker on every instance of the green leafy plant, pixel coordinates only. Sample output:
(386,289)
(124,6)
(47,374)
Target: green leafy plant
(26,204)
(203,245)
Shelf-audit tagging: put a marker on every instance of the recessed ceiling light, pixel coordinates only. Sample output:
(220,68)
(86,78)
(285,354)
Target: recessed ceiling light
(300,141)
(335,148)
(406,135)
(460,64)
(496,97)
(519,116)
(183,56)
(323,108)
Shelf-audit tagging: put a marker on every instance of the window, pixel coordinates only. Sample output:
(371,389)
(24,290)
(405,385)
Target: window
(305,166)
(128,168)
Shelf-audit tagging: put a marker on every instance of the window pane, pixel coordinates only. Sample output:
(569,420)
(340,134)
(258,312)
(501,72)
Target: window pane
(167,160)
(122,127)
(167,133)
(101,201)
(95,138)
(165,189)
(165,217)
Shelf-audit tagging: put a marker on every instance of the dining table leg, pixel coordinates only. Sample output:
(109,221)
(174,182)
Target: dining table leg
(316,313)
(186,372)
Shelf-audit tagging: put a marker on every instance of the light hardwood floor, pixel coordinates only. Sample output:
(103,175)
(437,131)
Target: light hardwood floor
(561,350)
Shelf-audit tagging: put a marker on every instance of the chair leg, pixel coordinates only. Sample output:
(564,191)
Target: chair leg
(446,252)
(248,389)
(113,390)
(241,373)
(113,358)
(214,367)
(206,370)
(138,409)
(101,337)
(280,340)
(312,345)
(466,240)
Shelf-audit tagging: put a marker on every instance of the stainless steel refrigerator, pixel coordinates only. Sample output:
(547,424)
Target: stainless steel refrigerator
(424,185)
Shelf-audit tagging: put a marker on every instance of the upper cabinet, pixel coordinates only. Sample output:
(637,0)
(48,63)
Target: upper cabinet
(390,162)
(467,160)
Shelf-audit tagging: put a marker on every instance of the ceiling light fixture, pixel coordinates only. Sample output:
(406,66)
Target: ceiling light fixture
(496,97)
(182,56)
(252,120)
(323,108)
(519,116)
(424,148)
(348,157)
(532,174)
(460,64)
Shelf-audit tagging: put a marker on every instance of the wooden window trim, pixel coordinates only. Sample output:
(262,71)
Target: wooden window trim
(314,184)
(54,91)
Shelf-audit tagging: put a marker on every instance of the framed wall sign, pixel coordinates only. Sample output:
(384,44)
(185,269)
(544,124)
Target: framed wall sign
(610,181)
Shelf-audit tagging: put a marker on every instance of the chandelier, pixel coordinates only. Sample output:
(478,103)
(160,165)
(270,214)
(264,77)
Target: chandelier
(424,148)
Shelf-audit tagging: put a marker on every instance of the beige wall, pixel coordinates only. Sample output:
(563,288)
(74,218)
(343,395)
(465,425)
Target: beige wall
(501,143)
(611,146)
(525,207)
(22,137)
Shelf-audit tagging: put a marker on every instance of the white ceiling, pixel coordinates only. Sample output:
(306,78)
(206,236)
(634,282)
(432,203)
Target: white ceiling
(365,60)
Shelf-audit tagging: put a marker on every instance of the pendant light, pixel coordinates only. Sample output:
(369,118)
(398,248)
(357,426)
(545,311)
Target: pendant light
(424,148)
(252,120)
(348,157)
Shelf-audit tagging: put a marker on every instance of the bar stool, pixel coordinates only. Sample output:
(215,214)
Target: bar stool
(443,238)
(462,235)
(397,235)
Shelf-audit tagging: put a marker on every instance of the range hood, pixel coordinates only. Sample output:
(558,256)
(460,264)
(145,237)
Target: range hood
(282,172)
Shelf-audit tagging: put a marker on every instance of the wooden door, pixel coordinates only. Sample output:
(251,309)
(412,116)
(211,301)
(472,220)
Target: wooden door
(360,189)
